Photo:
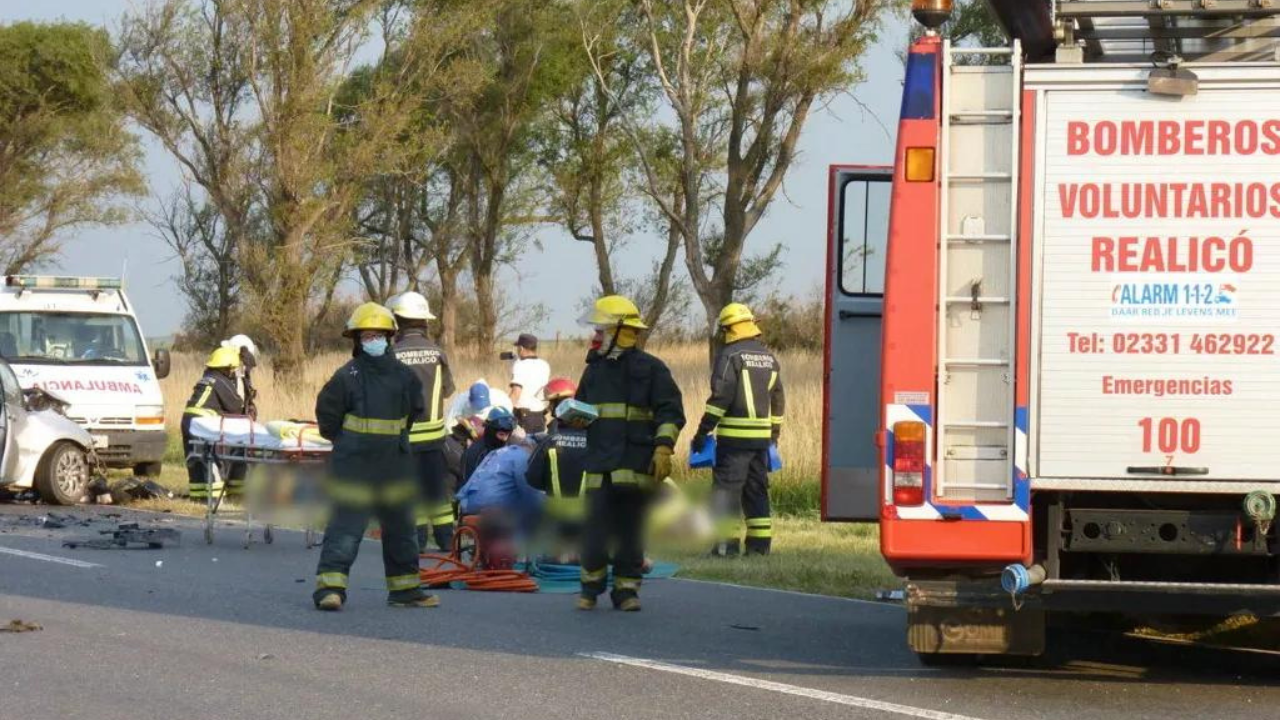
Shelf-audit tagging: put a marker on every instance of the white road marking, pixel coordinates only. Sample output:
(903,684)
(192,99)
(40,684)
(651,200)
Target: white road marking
(796,690)
(48,558)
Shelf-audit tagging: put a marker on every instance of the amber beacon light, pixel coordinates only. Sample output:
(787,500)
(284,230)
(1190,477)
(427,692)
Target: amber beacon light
(931,13)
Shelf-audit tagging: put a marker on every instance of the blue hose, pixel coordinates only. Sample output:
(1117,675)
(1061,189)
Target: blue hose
(1017,579)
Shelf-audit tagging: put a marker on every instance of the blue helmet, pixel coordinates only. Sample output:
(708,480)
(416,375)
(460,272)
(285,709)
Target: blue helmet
(478,396)
(501,419)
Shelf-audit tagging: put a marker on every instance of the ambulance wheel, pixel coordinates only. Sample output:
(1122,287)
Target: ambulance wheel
(62,478)
(148,469)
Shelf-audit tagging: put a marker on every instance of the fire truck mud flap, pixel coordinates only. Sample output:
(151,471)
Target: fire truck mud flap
(971,617)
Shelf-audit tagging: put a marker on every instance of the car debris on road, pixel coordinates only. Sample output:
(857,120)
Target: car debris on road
(20,626)
(129,536)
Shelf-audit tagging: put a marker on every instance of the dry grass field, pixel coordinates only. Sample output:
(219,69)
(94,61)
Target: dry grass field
(809,556)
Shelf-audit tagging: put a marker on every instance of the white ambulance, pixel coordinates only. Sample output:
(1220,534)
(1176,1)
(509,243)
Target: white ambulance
(79,339)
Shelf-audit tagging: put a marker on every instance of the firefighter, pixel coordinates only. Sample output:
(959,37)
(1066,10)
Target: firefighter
(214,395)
(415,348)
(366,410)
(244,374)
(745,411)
(556,468)
(629,448)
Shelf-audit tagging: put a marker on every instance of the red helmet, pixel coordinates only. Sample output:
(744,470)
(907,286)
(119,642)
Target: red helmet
(559,388)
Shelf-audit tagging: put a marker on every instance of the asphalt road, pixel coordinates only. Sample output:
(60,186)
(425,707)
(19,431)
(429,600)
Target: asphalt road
(222,632)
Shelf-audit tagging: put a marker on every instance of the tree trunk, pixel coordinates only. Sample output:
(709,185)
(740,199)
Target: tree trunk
(599,240)
(448,306)
(488,312)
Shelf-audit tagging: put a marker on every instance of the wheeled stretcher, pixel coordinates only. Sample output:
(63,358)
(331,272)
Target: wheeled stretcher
(286,468)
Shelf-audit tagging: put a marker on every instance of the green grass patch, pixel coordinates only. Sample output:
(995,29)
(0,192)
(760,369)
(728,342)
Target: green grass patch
(807,556)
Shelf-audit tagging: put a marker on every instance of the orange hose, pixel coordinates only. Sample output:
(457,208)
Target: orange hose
(450,569)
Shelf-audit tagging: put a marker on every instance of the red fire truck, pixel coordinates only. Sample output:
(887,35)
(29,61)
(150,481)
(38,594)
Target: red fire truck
(1057,316)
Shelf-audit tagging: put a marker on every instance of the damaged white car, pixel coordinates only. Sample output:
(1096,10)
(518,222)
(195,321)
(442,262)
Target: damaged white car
(39,447)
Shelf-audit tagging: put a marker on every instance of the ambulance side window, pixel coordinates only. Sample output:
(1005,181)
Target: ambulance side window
(864,234)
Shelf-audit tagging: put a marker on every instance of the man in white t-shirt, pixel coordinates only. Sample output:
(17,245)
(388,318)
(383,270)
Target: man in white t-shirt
(529,375)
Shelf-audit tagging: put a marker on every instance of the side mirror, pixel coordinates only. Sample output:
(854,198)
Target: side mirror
(161,363)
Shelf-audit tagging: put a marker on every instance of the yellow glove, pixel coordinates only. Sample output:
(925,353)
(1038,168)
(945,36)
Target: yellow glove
(660,466)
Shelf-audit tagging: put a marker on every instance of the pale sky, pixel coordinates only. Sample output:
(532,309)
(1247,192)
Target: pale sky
(564,270)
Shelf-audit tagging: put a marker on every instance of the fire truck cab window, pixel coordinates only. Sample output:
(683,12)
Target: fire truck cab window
(864,233)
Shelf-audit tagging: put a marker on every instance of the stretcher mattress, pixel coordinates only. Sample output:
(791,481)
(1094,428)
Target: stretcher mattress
(243,432)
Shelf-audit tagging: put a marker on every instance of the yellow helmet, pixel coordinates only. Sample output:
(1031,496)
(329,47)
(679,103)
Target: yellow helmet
(734,313)
(225,356)
(370,316)
(613,310)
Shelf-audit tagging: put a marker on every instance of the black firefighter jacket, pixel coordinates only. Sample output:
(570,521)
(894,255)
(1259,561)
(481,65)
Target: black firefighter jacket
(640,408)
(747,400)
(429,363)
(365,410)
(214,394)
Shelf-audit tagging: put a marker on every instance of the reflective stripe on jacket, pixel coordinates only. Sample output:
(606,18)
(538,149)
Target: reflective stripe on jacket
(214,394)
(429,363)
(747,400)
(556,468)
(640,408)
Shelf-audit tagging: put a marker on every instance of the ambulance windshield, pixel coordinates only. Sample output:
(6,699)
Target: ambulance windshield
(70,339)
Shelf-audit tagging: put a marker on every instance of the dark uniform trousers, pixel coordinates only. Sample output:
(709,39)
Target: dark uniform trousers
(435,511)
(615,519)
(741,489)
(365,410)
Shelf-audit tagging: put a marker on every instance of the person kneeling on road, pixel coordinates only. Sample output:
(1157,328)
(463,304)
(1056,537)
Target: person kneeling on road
(497,431)
(365,410)
(499,486)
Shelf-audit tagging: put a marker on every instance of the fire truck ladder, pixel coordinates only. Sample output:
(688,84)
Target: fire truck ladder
(977,275)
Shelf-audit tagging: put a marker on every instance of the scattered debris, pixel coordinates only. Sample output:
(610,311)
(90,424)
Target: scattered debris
(20,626)
(746,627)
(890,595)
(138,489)
(99,492)
(159,563)
(129,536)
(52,521)
(266,656)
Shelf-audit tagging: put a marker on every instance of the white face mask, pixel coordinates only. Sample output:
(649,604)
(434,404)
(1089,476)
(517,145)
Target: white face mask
(376,347)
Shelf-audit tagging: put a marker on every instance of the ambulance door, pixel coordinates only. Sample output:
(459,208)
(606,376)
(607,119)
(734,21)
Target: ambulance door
(856,249)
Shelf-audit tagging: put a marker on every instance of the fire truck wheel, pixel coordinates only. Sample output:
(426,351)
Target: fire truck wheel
(62,477)
(948,659)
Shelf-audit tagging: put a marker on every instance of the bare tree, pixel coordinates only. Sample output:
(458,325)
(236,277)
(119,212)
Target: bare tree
(248,95)
(182,78)
(210,278)
(740,78)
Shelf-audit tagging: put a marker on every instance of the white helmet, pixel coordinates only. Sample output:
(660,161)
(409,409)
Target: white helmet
(243,342)
(411,305)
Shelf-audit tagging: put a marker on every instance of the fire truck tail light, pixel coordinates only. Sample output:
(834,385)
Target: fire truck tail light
(908,462)
(919,164)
